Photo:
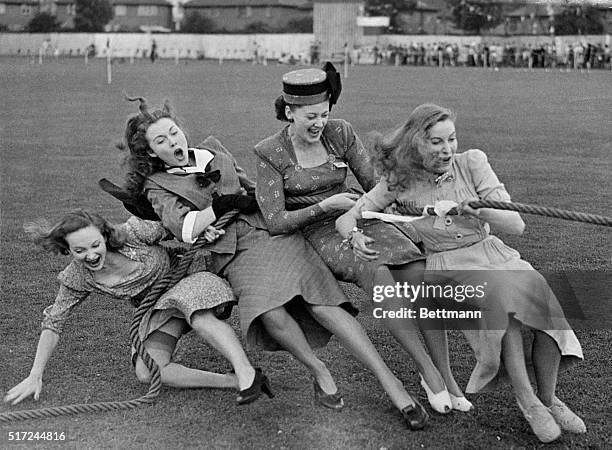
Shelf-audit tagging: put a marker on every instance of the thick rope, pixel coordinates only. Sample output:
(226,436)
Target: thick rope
(179,267)
(413,210)
(410,209)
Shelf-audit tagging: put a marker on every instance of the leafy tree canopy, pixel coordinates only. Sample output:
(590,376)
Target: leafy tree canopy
(43,22)
(195,22)
(389,8)
(474,16)
(92,15)
(576,19)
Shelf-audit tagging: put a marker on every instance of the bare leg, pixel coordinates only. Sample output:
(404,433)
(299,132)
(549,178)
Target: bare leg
(354,339)
(546,358)
(542,422)
(176,375)
(513,356)
(222,337)
(285,330)
(406,331)
(435,336)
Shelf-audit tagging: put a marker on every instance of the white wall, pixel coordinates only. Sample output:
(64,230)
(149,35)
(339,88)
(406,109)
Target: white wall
(234,46)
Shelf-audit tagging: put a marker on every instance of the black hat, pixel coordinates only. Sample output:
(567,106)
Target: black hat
(312,86)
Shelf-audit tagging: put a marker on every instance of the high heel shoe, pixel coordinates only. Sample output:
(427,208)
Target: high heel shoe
(253,392)
(415,416)
(331,401)
(461,403)
(440,402)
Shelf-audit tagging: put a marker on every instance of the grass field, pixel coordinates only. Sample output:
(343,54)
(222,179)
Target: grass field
(547,136)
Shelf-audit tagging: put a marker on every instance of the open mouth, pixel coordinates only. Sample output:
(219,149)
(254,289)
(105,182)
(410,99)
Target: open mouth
(314,132)
(179,154)
(95,262)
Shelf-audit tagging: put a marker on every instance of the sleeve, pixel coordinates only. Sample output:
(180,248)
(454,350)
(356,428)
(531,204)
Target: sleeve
(377,199)
(486,183)
(171,209)
(248,184)
(145,231)
(56,315)
(271,199)
(358,159)
(245,181)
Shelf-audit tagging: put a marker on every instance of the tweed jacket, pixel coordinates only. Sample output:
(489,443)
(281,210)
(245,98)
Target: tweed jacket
(173,196)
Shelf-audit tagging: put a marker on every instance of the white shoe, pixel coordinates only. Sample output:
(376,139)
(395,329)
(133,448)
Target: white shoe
(440,402)
(461,403)
(541,421)
(566,418)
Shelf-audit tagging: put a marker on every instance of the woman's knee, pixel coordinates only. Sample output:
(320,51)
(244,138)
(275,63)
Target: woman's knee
(412,272)
(204,321)
(275,318)
(143,374)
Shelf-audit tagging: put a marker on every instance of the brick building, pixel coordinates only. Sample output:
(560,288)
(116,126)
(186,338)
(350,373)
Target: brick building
(238,15)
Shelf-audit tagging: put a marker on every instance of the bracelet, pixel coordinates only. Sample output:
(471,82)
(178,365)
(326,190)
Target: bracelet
(347,242)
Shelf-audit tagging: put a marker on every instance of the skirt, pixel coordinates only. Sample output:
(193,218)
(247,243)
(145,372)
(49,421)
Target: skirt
(393,244)
(269,272)
(513,288)
(195,292)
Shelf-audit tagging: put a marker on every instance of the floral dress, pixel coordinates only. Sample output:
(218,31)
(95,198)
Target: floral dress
(464,250)
(198,291)
(285,193)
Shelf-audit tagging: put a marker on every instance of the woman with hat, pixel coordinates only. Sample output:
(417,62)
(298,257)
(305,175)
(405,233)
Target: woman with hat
(288,297)
(302,187)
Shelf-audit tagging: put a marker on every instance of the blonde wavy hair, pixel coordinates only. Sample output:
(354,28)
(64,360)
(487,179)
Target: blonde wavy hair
(396,154)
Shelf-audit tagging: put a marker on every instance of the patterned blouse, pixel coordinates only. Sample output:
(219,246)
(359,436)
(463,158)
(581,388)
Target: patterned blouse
(280,178)
(76,282)
(470,177)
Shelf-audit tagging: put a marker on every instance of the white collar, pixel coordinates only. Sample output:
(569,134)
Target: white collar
(202,159)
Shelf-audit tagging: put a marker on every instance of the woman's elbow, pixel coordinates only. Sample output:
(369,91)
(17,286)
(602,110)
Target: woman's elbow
(276,229)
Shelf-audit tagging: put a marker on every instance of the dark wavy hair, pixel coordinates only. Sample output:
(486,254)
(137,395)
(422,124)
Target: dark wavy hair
(396,155)
(279,106)
(53,237)
(140,164)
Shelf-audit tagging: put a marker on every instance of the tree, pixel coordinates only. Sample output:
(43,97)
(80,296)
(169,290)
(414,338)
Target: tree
(197,23)
(43,23)
(92,15)
(474,16)
(576,19)
(390,9)
(299,25)
(258,27)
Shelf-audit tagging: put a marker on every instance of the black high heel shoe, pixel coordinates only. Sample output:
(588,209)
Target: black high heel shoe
(253,392)
(415,416)
(331,401)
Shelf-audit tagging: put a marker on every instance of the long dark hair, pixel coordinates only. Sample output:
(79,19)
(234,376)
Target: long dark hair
(53,237)
(139,162)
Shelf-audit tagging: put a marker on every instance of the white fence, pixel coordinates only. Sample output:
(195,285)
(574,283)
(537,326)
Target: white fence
(227,46)
(232,46)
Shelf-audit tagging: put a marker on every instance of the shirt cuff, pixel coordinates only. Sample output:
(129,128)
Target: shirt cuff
(208,217)
(188,224)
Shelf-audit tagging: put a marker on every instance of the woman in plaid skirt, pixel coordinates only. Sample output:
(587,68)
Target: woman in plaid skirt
(288,297)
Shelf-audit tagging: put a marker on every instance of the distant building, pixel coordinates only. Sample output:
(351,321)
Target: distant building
(237,15)
(16,14)
(130,15)
(141,15)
